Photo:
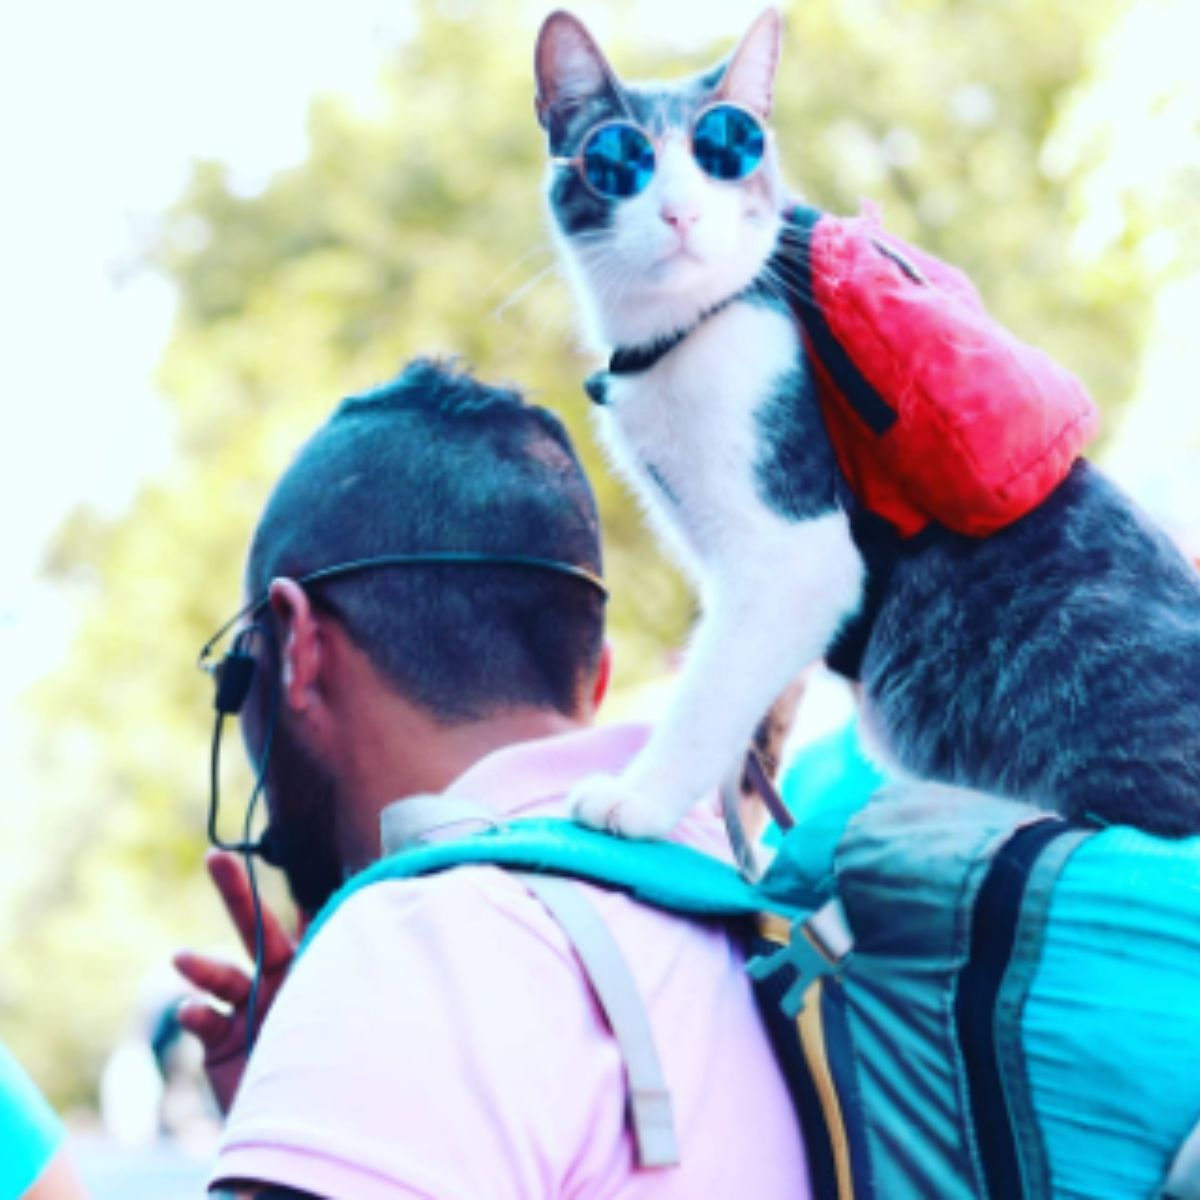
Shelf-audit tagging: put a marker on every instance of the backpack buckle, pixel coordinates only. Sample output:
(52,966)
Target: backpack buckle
(817,945)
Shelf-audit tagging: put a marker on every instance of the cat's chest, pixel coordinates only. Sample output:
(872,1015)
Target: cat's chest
(691,421)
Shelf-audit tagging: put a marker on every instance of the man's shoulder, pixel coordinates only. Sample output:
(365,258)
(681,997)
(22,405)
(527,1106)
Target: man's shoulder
(469,903)
(466,1002)
(466,903)
(479,927)
(452,999)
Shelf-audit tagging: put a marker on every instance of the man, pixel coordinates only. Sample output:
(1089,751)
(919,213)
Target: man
(439,1037)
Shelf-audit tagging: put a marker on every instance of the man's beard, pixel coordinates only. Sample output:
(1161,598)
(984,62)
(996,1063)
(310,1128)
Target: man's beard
(303,799)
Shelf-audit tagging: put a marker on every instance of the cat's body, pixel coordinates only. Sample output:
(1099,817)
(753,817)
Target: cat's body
(1057,661)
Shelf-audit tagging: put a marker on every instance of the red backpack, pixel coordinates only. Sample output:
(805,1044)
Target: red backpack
(936,412)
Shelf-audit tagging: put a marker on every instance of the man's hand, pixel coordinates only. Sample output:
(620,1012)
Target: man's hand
(222,1027)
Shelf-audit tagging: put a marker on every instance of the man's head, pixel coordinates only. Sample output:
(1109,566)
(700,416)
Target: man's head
(433,461)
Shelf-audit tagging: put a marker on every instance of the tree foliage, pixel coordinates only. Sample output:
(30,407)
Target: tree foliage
(417,227)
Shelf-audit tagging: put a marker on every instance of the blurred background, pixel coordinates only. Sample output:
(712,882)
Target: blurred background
(217,219)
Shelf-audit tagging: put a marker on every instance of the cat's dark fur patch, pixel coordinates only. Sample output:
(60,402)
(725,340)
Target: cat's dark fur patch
(659,111)
(1057,661)
(578,209)
(795,469)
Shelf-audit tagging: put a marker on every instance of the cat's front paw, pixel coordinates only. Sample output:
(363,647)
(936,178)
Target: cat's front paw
(610,803)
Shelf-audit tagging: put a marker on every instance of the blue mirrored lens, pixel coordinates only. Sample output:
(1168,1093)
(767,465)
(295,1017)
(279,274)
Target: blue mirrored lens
(618,160)
(728,142)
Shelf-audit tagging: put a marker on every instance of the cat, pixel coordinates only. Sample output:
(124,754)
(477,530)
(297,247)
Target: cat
(1055,662)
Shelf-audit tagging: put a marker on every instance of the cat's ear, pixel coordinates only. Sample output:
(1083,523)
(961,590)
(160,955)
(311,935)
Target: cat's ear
(569,66)
(749,77)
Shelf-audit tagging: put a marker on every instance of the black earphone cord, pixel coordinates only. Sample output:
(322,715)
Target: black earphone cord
(442,558)
(246,848)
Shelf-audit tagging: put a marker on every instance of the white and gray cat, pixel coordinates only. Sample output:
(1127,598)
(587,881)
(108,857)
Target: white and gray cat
(1056,662)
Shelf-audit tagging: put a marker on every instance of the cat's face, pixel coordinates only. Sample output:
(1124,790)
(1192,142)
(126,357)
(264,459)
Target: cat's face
(650,263)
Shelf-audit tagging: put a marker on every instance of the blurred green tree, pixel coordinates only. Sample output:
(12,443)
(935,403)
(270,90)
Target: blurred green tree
(416,228)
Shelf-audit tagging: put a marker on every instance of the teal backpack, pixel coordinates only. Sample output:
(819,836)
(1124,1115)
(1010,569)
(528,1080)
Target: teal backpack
(972,999)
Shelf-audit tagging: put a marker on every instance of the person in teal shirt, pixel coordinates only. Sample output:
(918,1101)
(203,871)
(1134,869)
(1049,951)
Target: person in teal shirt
(33,1164)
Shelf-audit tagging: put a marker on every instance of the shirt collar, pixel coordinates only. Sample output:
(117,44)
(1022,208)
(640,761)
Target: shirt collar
(531,779)
(535,774)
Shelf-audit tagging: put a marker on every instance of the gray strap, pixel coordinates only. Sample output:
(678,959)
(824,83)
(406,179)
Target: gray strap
(744,854)
(830,931)
(1183,1180)
(650,1110)
(417,819)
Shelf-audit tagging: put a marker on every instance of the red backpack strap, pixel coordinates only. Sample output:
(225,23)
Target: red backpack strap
(793,262)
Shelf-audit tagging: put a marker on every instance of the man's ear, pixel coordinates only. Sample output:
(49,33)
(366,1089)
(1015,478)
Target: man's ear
(569,67)
(301,648)
(749,78)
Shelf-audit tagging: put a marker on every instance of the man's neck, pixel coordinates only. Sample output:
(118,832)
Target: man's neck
(384,767)
(381,746)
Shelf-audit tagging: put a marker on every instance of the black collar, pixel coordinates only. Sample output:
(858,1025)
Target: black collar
(632,360)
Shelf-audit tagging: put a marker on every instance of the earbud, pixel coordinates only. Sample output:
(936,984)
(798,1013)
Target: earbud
(235,673)
(234,677)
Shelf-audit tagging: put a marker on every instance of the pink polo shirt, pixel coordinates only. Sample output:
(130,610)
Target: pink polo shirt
(439,1039)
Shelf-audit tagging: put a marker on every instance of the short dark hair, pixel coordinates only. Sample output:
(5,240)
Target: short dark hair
(437,461)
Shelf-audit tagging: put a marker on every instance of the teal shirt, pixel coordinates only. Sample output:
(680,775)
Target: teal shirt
(30,1133)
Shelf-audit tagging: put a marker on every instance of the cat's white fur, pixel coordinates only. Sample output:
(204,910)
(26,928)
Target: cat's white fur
(773,591)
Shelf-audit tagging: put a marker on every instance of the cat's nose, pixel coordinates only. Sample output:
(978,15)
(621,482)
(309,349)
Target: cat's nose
(681,218)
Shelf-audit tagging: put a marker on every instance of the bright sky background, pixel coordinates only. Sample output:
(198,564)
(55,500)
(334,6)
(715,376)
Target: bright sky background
(104,106)
(1146,109)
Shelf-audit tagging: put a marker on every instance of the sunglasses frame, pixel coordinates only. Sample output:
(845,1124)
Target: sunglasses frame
(576,160)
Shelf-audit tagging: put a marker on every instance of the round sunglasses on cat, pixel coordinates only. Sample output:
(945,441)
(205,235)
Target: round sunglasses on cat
(616,159)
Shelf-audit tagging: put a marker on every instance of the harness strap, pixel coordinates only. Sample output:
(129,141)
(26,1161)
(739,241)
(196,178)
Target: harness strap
(421,819)
(650,1111)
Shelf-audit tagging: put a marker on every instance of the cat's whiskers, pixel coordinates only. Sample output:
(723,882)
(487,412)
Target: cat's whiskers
(778,287)
(612,288)
(587,243)
(783,288)
(545,246)
(611,281)
(514,297)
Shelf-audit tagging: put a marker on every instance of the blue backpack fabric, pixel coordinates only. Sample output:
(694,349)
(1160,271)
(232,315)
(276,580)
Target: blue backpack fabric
(1018,1016)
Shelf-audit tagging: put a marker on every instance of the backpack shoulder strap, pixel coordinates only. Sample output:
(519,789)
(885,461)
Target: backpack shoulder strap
(604,966)
(666,875)
(422,835)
